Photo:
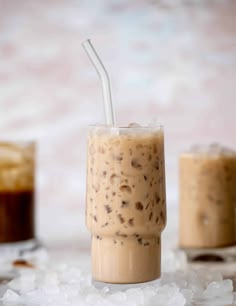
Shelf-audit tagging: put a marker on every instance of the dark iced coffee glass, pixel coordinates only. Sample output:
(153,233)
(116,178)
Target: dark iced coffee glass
(17,166)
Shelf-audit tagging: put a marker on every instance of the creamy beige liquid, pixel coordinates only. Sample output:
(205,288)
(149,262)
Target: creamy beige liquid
(207,200)
(126,209)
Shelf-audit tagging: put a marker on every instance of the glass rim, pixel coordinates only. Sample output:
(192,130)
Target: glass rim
(141,127)
(17,142)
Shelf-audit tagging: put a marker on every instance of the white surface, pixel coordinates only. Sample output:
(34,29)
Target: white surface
(63,283)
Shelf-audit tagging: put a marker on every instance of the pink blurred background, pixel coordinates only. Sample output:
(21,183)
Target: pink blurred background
(170,60)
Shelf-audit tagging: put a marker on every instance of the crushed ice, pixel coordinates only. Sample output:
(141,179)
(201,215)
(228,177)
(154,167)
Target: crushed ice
(66,284)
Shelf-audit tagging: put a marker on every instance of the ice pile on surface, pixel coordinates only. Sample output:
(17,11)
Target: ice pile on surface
(60,284)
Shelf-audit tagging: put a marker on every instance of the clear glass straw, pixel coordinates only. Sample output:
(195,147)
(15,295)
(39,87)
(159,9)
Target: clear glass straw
(93,56)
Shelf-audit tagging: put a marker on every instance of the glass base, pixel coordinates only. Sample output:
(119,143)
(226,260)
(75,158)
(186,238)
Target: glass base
(111,288)
(224,254)
(126,261)
(19,248)
(23,254)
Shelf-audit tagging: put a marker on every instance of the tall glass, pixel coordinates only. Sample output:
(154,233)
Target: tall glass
(17,222)
(126,202)
(207,203)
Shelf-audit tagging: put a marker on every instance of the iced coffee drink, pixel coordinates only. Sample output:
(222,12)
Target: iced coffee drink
(16,193)
(126,204)
(207,197)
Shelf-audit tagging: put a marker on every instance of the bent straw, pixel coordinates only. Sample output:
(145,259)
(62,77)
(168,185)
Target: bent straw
(93,56)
